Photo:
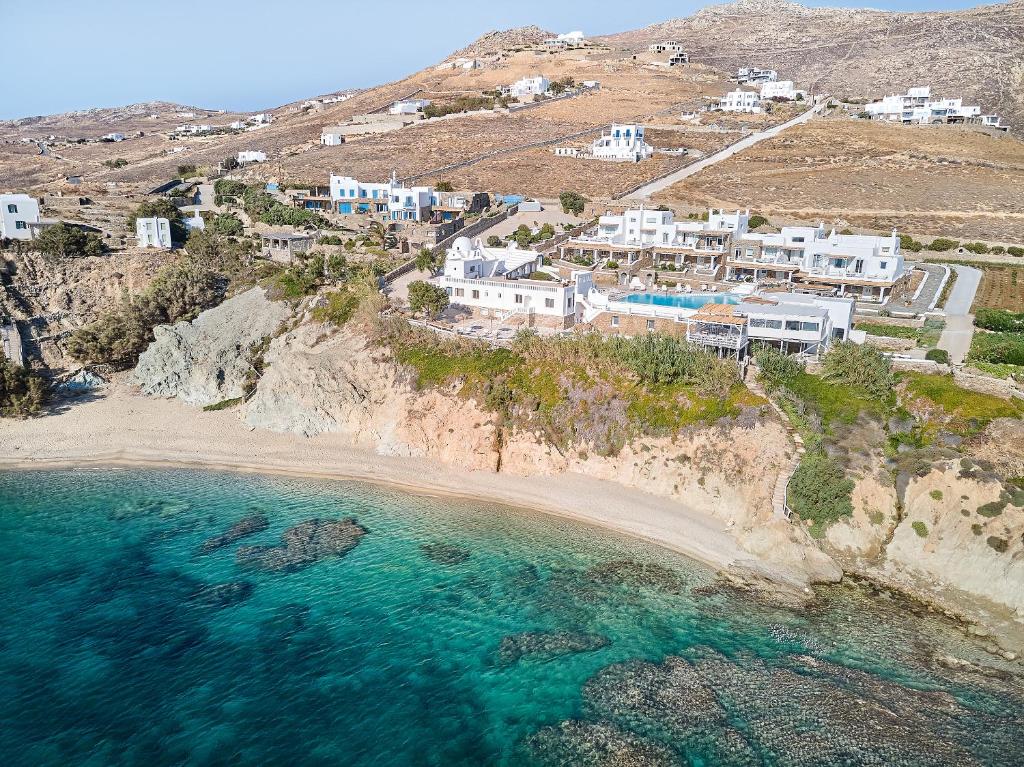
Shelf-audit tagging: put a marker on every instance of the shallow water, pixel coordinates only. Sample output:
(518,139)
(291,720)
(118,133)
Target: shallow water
(112,651)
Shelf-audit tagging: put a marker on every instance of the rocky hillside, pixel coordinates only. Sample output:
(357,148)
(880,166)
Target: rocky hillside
(497,41)
(861,52)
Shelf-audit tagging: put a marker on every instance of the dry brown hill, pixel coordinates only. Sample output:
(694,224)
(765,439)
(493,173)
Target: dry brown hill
(497,41)
(977,53)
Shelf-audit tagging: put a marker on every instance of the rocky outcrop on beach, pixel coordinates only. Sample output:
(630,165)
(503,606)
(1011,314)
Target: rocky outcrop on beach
(246,526)
(545,645)
(208,360)
(303,545)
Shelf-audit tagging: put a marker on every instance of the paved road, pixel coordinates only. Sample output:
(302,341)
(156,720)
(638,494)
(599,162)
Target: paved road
(645,192)
(956,338)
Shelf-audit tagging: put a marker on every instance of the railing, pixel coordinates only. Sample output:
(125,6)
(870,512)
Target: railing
(728,340)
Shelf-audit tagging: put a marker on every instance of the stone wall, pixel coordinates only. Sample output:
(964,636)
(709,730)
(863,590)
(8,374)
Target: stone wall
(633,325)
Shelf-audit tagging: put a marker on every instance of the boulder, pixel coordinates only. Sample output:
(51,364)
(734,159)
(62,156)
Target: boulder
(305,544)
(246,526)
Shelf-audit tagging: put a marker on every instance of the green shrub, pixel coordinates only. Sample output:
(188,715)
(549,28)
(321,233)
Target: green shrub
(572,202)
(64,241)
(227,224)
(494,241)
(227,187)
(976,247)
(910,244)
(937,355)
(611,264)
(756,221)
(998,348)
(976,528)
(991,509)
(224,404)
(920,528)
(999,320)
(936,495)
(1015,250)
(120,162)
(338,308)
(265,208)
(999,544)
(864,367)
(777,369)
(185,171)
(443,186)
(22,391)
(997,250)
(942,244)
(820,490)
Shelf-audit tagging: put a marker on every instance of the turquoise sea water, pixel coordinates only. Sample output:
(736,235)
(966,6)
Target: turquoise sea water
(692,301)
(454,633)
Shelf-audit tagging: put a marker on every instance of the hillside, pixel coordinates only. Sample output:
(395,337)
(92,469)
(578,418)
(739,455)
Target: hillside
(861,53)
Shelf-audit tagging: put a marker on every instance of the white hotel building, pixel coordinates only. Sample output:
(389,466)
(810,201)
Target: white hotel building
(917,107)
(741,101)
(499,283)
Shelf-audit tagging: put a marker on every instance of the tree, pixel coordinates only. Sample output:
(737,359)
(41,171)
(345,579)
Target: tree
(22,390)
(523,236)
(425,260)
(64,241)
(379,234)
(227,224)
(184,171)
(942,244)
(424,297)
(444,186)
(756,221)
(572,202)
(820,490)
(494,241)
(864,367)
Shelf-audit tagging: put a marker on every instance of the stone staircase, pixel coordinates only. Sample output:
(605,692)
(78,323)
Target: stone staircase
(779,506)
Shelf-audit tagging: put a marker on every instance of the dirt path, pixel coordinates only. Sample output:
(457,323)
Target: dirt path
(956,338)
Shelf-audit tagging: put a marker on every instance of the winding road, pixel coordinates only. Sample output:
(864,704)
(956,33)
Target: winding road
(661,184)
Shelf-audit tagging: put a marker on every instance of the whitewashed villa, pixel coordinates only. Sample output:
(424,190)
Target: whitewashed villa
(528,87)
(918,107)
(784,90)
(153,233)
(622,143)
(574,39)
(408,106)
(756,75)
(249,156)
(392,198)
(741,101)
(19,216)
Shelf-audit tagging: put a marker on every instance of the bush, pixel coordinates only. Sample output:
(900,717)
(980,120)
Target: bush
(22,390)
(997,250)
(227,187)
(920,528)
(263,207)
(999,320)
(424,297)
(339,307)
(776,368)
(1015,250)
(611,264)
(227,224)
(976,247)
(64,241)
(301,279)
(992,509)
(910,244)
(425,261)
(572,202)
(998,348)
(179,292)
(184,171)
(937,355)
(942,244)
(120,162)
(864,367)
(820,490)
(461,104)
(443,186)
(494,241)
(756,221)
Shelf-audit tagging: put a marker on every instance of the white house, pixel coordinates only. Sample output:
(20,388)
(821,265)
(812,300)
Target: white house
(251,156)
(499,282)
(623,143)
(261,119)
(391,198)
(755,75)
(781,89)
(331,137)
(408,107)
(153,233)
(529,87)
(18,214)
(113,137)
(917,107)
(741,101)
(670,46)
(567,40)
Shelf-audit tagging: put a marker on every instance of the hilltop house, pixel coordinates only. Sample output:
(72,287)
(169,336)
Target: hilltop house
(528,87)
(391,198)
(917,106)
(568,40)
(741,101)
(113,137)
(331,137)
(153,233)
(677,59)
(783,90)
(248,156)
(19,216)
(502,282)
(670,46)
(284,246)
(755,75)
(408,106)
(727,324)
(460,63)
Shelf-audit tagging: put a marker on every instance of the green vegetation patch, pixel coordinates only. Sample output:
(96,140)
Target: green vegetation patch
(889,331)
(820,491)
(1000,348)
(997,543)
(971,408)
(920,528)
(936,495)
(23,392)
(992,509)
(224,404)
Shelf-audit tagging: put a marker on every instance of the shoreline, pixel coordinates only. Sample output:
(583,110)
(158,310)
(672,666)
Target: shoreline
(119,428)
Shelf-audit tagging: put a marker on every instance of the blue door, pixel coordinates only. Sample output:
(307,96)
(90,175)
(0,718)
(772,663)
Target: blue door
(344,207)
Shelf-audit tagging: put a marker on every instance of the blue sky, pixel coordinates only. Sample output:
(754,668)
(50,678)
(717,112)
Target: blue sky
(256,54)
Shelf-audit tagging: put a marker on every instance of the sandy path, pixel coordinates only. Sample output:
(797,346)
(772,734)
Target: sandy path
(122,428)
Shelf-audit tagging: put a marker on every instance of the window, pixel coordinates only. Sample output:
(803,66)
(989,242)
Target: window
(809,327)
(757,322)
(519,298)
(20,225)
(476,294)
(549,303)
(459,292)
(615,320)
(650,324)
(12,208)
(798,239)
(883,264)
(792,324)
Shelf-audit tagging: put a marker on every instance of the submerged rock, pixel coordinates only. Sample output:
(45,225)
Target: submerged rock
(306,543)
(548,644)
(627,572)
(246,526)
(595,744)
(220,595)
(444,553)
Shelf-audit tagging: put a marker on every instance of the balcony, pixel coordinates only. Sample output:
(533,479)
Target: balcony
(723,336)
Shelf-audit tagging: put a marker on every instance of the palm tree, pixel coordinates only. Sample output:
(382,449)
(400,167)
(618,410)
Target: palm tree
(379,232)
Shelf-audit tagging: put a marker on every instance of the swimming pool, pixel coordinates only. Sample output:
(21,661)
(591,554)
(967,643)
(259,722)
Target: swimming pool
(691,301)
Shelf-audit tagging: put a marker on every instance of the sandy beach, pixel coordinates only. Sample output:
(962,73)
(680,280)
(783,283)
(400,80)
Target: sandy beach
(119,427)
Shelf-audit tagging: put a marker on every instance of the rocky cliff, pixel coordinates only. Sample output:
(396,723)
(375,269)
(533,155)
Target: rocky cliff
(209,359)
